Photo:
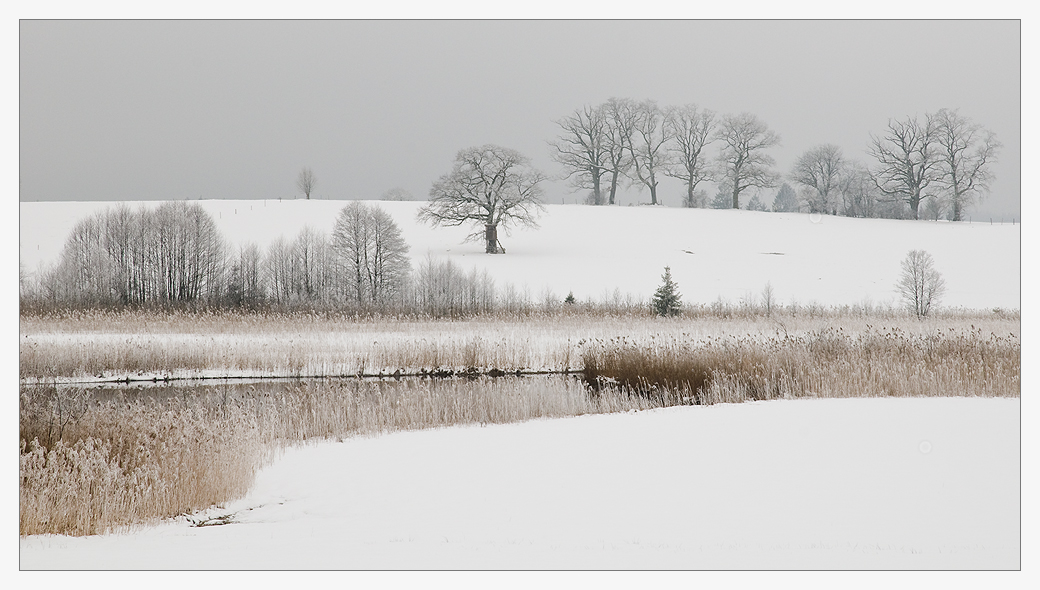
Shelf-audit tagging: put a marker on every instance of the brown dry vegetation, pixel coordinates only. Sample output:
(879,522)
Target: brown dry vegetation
(140,344)
(830,363)
(92,467)
(89,466)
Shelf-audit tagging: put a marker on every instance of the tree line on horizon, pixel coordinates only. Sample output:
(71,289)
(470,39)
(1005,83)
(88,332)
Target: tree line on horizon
(937,165)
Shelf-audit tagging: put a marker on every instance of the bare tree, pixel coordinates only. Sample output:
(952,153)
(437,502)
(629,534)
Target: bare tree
(743,162)
(581,149)
(396,194)
(907,161)
(373,254)
(305,181)
(965,152)
(819,170)
(646,146)
(619,118)
(857,191)
(489,186)
(921,286)
(691,130)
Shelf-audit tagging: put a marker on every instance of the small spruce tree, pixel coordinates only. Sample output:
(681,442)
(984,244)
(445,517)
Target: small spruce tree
(570,300)
(667,300)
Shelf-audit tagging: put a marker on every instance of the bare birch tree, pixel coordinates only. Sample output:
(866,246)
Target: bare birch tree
(965,152)
(372,253)
(691,130)
(581,149)
(921,286)
(743,162)
(489,186)
(908,161)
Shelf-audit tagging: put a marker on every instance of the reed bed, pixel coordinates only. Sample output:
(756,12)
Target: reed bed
(826,364)
(90,467)
(142,344)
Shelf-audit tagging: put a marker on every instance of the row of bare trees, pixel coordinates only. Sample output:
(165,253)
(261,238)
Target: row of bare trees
(174,255)
(642,142)
(942,161)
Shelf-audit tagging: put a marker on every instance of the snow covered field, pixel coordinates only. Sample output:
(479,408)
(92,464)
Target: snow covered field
(821,484)
(594,250)
(818,484)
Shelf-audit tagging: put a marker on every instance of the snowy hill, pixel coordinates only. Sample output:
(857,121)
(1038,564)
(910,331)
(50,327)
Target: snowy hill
(594,250)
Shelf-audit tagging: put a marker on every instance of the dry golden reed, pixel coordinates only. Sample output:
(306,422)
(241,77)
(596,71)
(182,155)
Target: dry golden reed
(91,467)
(829,363)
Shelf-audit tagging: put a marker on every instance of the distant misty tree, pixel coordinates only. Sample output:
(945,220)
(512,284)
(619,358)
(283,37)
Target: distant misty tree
(743,162)
(690,129)
(397,194)
(965,152)
(722,198)
(646,146)
(372,254)
(818,170)
(786,200)
(699,201)
(619,120)
(756,204)
(306,181)
(907,161)
(856,191)
(581,149)
(933,209)
(666,300)
(489,186)
(921,286)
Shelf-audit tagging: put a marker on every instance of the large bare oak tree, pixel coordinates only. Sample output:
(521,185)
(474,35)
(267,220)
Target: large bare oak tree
(965,152)
(908,161)
(743,162)
(581,148)
(489,186)
(691,131)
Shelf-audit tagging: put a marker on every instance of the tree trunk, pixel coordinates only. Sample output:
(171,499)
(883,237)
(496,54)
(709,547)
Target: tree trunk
(597,194)
(736,197)
(491,238)
(613,186)
(689,194)
(653,194)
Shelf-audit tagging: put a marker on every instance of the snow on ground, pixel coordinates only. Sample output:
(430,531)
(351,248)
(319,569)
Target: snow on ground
(815,484)
(594,250)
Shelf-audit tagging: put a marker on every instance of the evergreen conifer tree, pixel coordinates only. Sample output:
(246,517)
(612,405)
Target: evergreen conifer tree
(667,300)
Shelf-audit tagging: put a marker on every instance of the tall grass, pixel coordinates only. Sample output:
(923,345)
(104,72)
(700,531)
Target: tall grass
(89,467)
(139,344)
(828,363)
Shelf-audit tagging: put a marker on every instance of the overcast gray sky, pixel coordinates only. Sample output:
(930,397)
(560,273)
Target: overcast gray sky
(142,110)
